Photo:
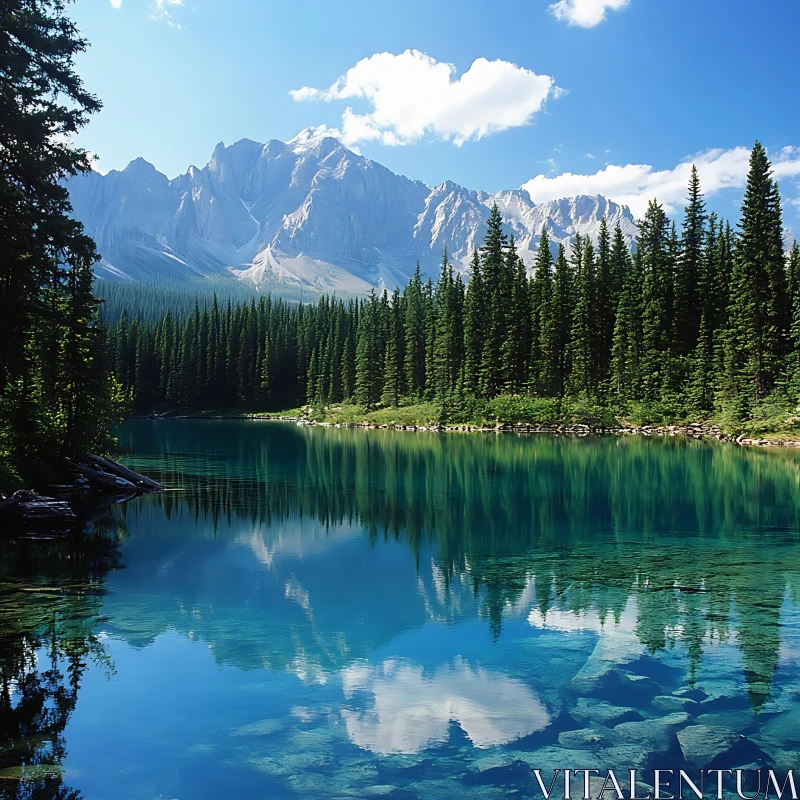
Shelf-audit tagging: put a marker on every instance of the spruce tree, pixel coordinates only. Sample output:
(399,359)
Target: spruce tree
(496,290)
(414,324)
(557,335)
(368,371)
(583,352)
(657,301)
(758,332)
(515,350)
(606,297)
(51,345)
(474,328)
(626,352)
(688,275)
(393,365)
(541,292)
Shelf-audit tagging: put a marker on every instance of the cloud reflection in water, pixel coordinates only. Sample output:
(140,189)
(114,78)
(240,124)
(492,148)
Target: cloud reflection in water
(411,711)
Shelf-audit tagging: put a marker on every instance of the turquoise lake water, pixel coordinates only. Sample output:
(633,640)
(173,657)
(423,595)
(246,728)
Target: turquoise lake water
(325,613)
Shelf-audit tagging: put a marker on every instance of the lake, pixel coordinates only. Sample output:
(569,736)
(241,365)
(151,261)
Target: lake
(324,613)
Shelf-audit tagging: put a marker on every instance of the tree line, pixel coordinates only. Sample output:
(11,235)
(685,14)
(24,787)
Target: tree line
(700,320)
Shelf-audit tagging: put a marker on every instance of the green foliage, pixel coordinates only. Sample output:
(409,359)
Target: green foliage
(588,410)
(511,409)
(55,395)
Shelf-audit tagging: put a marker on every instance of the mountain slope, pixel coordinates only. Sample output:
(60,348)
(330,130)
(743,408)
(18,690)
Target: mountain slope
(305,214)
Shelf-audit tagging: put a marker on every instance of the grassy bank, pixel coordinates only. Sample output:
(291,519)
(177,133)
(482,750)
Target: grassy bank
(773,420)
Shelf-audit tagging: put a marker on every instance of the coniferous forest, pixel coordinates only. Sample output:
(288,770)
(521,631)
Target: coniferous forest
(700,320)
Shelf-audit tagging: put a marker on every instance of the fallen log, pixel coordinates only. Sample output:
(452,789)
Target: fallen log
(122,471)
(105,481)
(32,511)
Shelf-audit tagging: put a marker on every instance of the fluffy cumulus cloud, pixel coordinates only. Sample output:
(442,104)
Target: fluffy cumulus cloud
(164,11)
(116,3)
(636,184)
(585,13)
(412,96)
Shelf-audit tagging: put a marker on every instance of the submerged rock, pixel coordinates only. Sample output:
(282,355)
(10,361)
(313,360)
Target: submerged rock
(264,727)
(669,704)
(654,734)
(602,713)
(587,738)
(702,744)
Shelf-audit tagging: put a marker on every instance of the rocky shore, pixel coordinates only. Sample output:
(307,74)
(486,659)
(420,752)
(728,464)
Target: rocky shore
(694,431)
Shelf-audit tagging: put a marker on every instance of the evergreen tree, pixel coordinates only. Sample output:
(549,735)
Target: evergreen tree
(583,336)
(515,350)
(657,301)
(368,354)
(474,328)
(414,313)
(51,343)
(393,358)
(758,331)
(541,290)
(557,335)
(688,277)
(496,290)
(607,290)
(626,354)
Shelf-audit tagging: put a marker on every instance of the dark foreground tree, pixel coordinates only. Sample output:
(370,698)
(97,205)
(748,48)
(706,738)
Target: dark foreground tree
(54,393)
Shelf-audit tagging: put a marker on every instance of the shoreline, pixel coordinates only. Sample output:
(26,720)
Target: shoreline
(691,431)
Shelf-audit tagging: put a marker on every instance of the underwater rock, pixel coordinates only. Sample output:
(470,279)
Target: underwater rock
(667,704)
(264,727)
(702,744)
(724,695)
(587,739)
(655,734)
(387,790)
(735,720)
(779,734)
(603,713)
(693,693)
(631,755)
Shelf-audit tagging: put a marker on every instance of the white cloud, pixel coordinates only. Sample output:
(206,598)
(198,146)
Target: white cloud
(116,3)
(412,96)
(585,13)
(636,184)
(163,11)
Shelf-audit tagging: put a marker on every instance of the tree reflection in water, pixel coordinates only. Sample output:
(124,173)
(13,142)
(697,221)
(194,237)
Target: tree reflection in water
(50,598)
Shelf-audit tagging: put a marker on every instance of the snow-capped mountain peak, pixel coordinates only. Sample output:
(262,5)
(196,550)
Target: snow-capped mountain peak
(306,213)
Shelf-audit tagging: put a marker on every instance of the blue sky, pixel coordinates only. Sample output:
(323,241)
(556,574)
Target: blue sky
(617,93)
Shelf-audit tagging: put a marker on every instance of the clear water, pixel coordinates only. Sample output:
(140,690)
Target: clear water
(320,613)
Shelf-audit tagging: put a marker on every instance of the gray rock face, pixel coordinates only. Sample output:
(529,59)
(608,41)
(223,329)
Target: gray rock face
(702,744)
(308,213)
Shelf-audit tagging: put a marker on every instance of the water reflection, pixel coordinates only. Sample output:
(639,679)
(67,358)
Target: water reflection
(49,605)
(409,711)
(699,541)
(346,604)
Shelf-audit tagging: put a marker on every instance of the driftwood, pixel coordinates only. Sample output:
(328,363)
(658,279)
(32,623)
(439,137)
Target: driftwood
(105,481)
(122,471)
(29,510)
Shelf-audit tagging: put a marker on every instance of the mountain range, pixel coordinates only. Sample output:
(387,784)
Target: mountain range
(306,214)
